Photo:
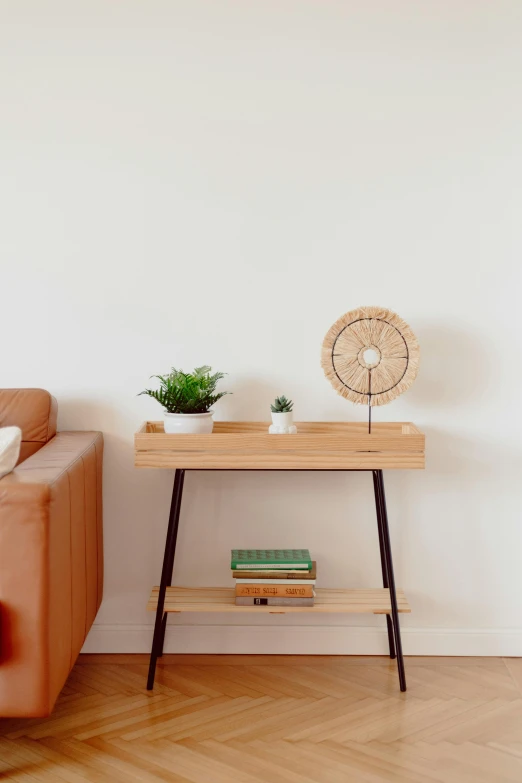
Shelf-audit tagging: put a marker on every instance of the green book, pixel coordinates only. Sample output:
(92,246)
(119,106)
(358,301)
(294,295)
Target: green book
(271,559)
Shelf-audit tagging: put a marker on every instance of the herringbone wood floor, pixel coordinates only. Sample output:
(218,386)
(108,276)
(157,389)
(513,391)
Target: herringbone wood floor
(246,719)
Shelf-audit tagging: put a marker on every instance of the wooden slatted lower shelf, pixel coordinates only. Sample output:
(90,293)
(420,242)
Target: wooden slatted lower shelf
(222,599)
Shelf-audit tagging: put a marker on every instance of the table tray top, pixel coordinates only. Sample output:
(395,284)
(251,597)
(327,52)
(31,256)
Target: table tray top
(239,445)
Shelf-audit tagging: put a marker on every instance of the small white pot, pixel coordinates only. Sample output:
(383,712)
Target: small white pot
(188,423)
(282,424)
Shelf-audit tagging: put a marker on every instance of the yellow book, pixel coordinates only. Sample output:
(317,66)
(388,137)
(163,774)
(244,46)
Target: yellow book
(275,591)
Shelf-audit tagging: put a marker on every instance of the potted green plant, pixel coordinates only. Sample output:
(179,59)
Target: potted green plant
(187,398)
(282,417)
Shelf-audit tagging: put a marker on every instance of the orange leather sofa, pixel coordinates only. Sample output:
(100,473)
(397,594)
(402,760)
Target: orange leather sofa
(51,561)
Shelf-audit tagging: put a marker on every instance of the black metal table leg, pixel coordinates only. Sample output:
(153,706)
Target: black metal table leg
(166,575)
(384,565)
(391,579)
(172,552)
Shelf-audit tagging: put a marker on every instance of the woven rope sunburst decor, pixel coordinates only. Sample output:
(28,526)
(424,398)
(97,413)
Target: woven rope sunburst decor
(370,356)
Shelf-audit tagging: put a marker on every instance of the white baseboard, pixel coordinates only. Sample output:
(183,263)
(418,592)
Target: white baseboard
(306,640)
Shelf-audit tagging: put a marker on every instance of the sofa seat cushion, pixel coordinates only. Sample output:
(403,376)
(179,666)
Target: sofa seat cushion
(10,440)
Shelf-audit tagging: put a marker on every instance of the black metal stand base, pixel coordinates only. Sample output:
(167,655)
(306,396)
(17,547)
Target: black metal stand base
(392,620)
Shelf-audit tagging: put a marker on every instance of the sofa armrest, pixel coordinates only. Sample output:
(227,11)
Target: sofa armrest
(51,568)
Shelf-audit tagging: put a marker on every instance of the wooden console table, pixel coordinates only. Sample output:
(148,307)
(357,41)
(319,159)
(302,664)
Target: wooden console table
(248,446)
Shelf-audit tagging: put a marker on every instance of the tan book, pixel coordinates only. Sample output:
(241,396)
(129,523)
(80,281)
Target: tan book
(244,600)
(261,574)
(275,591)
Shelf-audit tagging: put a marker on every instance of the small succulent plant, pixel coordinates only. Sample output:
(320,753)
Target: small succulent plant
(281,405)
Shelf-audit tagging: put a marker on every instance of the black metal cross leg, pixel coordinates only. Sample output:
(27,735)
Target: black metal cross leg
(160,624)
(388,579)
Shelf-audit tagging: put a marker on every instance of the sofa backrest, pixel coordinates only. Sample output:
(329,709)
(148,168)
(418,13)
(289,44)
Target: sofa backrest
(34,411)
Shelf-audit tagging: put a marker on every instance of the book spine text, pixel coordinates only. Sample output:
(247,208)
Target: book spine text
(247,601)
(275,591)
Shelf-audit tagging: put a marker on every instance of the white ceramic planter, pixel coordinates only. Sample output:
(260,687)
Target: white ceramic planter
(282,424)
(188,423)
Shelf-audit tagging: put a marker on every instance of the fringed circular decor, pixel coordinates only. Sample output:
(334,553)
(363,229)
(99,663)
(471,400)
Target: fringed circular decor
(370,356)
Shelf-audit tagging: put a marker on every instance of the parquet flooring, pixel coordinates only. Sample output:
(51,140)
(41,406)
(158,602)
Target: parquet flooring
(268,719)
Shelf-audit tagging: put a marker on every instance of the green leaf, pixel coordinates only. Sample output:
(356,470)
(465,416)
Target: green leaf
(281,405)
(182,392)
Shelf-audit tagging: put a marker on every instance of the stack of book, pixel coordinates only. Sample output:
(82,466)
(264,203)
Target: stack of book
(273,577)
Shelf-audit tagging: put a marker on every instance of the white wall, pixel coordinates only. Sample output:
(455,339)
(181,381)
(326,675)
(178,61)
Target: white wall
(216,182)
